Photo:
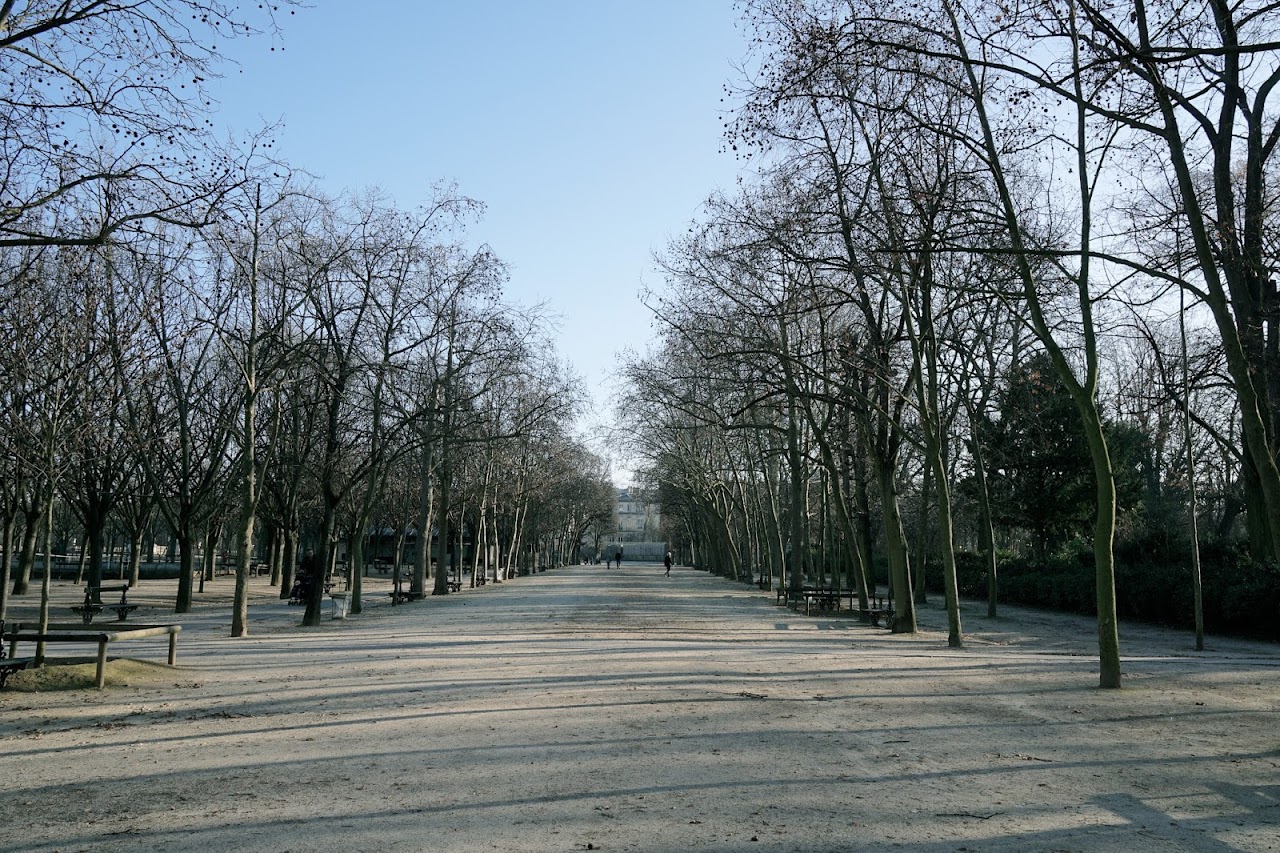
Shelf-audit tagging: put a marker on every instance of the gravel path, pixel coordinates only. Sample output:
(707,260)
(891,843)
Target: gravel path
(595,709)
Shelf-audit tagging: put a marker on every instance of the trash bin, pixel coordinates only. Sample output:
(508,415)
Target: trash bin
(340,602)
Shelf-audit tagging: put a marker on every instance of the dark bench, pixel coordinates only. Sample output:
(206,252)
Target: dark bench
(816,597)
(879,609)
(89,609)
(9,665)
(255,569)
(401,591)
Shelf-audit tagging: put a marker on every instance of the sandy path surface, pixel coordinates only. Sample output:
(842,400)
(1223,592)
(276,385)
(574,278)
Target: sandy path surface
(601,709)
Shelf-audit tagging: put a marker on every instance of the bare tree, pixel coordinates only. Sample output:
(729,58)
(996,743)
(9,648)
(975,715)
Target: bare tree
(105,124)
(182,398)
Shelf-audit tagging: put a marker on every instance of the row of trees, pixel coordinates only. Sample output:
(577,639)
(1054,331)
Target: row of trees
(206,340)
(996,263)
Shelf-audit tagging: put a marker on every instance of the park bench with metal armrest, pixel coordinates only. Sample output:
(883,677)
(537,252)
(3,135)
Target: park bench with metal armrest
(90,608)
(879,609)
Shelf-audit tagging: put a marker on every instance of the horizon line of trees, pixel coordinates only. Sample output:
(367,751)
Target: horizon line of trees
(192,334)
(1002,279)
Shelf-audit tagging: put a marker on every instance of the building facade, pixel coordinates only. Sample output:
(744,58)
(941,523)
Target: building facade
(635,519)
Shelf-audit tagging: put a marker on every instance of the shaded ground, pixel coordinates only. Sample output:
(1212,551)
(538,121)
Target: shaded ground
(601,709)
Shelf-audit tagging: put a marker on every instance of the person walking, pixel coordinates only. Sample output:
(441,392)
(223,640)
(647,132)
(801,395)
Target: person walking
(667,561)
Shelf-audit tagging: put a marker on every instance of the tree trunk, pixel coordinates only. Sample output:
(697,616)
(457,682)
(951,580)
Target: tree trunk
(444,567)
(986,525)
(922,536)
(30,535)
(321,560)
(209,559)
(1189,450)
(135,556)
(773,526)
(95,533)
(288,559)
(82,561)
(355,566)
(895,539)
(862,518)
(6,556)
(796,469)
(249,438)
(422,563)
(186,568)
(1103,549)
(945,533)
(47,580)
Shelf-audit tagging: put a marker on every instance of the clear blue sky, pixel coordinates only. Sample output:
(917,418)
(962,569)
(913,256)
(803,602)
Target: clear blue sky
(591,130)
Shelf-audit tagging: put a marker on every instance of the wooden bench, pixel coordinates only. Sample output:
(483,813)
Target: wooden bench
(29,632)
(255,569)
(783,595)
(89,609)
(816,597)
(825,598)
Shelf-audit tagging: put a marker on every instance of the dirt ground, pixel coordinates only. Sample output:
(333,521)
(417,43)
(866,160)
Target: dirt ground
(595,709)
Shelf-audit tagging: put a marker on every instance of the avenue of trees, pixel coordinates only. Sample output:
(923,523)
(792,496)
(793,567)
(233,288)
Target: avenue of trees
(198,347)
(993,313)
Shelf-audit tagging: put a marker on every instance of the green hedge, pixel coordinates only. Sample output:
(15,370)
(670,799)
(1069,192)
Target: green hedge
(1241,595)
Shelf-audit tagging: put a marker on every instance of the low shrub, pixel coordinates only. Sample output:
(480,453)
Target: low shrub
(1241,595)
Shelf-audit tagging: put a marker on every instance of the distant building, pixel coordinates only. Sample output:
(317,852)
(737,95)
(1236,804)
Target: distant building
(636,519)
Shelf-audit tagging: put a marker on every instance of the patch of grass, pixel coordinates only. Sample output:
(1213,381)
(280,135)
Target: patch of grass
(79,674)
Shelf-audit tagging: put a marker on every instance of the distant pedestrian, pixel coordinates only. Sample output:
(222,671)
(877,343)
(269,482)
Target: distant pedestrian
(617,557)
(667,561)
